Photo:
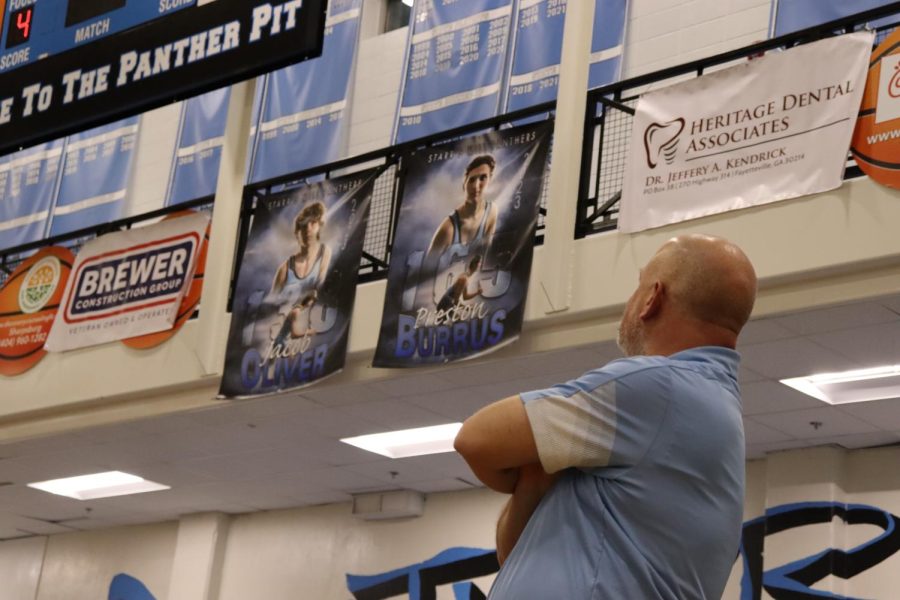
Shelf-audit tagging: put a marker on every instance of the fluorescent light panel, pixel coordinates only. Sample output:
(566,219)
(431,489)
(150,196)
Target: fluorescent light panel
(861,385)
(98,485)
(408,442)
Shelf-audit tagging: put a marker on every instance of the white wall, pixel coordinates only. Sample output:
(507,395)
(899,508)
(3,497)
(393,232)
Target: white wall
(79,566)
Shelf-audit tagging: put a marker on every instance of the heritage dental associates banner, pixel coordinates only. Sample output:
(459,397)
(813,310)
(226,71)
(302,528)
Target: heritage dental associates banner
(195,169)
(305,118)
(775,128)
(534,78)
(27,187)
(454,65)
(296,286)
(876,141)
(29,300)
(793,15)
(128,283)
(96,172)
(461,257)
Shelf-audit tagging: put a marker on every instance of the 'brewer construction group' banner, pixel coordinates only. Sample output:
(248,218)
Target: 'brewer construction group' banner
(775,128)
(128,283)
(296,286)
(462,253)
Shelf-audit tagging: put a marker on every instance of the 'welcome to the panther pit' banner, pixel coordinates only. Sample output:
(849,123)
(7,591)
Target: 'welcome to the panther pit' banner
(775,128)
(462,253)
(128,283)
(296,287)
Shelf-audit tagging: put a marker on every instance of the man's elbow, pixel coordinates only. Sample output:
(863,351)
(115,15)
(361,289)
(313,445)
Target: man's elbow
(465,443)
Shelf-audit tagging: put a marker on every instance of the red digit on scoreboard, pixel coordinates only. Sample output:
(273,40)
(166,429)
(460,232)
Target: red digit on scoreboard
(19,30)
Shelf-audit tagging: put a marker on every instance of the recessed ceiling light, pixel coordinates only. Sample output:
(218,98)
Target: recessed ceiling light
(98,485)
(408,2)
(408,442)
(860,385)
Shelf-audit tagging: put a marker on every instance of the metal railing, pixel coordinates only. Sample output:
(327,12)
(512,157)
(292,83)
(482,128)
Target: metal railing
(610,110)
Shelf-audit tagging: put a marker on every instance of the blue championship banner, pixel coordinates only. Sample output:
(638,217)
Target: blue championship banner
(461,257)
(534,76)
(96,172)
(454,65)
(195,169)
(304,120)
(296,286)
(27,187)
(608,42)
(793,15)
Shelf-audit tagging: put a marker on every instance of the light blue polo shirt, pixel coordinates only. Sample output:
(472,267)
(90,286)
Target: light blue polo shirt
(650,501)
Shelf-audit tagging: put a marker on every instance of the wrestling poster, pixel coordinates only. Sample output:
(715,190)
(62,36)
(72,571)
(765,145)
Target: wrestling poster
(462,252)
(296,286)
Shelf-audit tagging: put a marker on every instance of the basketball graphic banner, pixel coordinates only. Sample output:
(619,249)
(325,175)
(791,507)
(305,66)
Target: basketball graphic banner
(128,283)
(28,303)
(296,286)
(461,256)
(775,128)
(876,141)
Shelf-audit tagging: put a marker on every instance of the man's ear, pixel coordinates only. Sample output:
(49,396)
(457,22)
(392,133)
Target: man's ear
(653,304)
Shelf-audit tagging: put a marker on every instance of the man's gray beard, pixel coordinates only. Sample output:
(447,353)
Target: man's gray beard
(629,342)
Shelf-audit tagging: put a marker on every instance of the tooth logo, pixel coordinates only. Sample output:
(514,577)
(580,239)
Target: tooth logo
(661,140)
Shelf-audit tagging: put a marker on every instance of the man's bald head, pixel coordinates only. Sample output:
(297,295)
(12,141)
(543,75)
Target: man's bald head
(696,290)
(708,278)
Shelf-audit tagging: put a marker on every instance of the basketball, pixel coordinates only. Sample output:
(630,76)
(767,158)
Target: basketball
(188,304)
(876,140)
(28,303)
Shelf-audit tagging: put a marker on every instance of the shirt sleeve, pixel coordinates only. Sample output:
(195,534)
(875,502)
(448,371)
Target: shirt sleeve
(603,419)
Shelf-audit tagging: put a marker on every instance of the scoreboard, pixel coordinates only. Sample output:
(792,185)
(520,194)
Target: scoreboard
(67,65)
(35,29)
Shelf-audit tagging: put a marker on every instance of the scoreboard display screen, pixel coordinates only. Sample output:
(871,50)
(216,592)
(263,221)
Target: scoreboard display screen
(35,29)
(68,65)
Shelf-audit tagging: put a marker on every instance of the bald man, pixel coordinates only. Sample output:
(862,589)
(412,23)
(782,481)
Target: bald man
(628,482)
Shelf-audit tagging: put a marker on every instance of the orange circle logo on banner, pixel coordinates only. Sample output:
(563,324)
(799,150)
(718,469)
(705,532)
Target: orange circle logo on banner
(188,303)
(876,140)
(28,303)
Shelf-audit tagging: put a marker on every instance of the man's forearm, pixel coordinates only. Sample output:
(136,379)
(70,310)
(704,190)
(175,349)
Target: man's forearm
(531,486)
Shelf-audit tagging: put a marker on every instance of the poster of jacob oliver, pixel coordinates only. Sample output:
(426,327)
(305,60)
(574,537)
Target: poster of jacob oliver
(296,285)
(461,257)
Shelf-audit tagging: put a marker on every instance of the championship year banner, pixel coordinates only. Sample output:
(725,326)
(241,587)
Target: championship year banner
(128,283)
(793,15)
(454,66)
(95,175)
(305,117)
(195,168)
(27,187)
(461,257)
(775,128)
(539,24)
(296,286)
(180,54)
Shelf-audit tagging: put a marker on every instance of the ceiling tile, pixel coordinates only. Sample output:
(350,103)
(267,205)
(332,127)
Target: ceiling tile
(769,396)
(864,440)
(394,414)
(339,395)
(760,450)
(413,384)
(758,433)
(884,414)
(792,358)
(869,346)
(798,424)
(763,330)
(837,318)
